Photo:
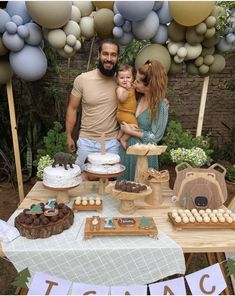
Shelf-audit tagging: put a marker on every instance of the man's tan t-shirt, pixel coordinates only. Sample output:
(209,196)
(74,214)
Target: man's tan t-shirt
(99,104)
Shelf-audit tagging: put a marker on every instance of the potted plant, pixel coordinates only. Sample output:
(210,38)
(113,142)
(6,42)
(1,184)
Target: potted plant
(230,178)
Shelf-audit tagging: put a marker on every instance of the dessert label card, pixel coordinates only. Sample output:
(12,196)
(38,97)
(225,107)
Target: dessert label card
(44,284)
(83,289)
(129,290)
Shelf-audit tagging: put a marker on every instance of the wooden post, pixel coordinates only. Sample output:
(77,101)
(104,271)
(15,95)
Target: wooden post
(15,139)
(202,106)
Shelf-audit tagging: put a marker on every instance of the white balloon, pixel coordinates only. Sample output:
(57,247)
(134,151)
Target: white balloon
(87,26)
(29,64)
(71,40)
(77,46)
(85,7)
(68,49)
(193,51)
(72,28)
(147,28)
(57,38)
(75,14)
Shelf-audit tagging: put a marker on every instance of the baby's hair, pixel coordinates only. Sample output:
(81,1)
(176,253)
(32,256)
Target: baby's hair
(125,67)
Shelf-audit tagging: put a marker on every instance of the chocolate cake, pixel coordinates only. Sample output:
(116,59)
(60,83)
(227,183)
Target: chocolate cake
(45,222)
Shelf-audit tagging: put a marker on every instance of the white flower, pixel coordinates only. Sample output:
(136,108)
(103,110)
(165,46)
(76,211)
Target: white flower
(194,156)
(44,161)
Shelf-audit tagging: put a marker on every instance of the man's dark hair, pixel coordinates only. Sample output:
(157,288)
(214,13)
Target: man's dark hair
(108,41)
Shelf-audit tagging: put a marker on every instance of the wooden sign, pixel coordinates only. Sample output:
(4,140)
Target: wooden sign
(142,226)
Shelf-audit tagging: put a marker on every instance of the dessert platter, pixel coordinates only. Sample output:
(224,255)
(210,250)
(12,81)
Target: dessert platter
(115,226)
(87,204)
(61,180)
(127,192)
(41,221)
(202,219)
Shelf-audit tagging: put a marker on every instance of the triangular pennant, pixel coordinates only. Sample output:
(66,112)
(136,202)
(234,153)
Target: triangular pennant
(230,267)
(22,279)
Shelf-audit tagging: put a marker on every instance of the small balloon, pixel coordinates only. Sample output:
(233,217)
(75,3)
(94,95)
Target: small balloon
(13,41)
(23,31)
(127,26)
(11,27)
(71,40)
(18,8)
(117,32)
(57,38)
(35,34)
(17,20)
(72,28)
(118,20)
(125,39)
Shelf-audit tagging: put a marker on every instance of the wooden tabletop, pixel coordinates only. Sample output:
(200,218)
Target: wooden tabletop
(190,240)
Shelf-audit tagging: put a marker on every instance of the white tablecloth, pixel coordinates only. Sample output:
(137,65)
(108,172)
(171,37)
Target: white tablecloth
(100,260)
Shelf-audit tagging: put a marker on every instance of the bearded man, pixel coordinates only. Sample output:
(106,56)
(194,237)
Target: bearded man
(95,92)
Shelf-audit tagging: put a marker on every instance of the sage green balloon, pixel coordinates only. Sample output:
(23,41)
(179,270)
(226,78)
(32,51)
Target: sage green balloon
(176,32)
(210,33)
(201,28)
(218,64)
(50,14)
(175,68)
(203,69)
(192,37)
(56,38)
(209,60)
(207,51)
(5,72)
(210,21)
(156,52)
(104,24)
(210,42)
(199,61)
(192,69)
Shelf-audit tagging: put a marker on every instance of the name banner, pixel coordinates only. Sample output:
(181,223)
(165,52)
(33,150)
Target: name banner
(207,281)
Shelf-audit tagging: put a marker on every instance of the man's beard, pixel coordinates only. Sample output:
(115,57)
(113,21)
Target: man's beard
(107,72)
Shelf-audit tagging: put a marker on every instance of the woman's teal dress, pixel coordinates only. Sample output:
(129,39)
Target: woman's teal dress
(153,133)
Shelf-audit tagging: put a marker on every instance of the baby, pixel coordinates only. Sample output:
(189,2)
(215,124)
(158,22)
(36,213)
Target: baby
(126,100)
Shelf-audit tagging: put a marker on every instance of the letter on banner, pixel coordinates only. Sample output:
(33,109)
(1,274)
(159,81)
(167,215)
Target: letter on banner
(129,290)
(171,287)
(84,289)
(44,284)
(207,281)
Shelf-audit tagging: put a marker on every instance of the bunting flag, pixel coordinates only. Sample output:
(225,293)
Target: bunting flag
(44,284)
(129,290)
(230,267)
(84,289)
(207,281)
(171,287)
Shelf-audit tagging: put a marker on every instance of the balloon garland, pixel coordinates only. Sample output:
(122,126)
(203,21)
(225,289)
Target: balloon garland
(181,32)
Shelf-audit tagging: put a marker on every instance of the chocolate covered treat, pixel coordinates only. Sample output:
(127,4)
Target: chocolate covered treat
(129,186)
(43,222)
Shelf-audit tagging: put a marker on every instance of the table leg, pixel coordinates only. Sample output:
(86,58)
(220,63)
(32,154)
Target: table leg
(62,196)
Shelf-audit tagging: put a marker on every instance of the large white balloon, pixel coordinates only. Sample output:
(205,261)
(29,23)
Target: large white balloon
(134,10)
(18,8)
(147,28)
(29,64)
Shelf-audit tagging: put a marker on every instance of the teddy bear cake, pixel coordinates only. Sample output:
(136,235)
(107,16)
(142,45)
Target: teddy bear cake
(41,221)
(108,163)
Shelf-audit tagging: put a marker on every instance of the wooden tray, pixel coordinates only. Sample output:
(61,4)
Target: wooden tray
(200,225)
(78,208)
(119,230)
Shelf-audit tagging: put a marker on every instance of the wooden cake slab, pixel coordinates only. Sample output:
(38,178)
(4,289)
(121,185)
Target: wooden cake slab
(115,226)
(200,225)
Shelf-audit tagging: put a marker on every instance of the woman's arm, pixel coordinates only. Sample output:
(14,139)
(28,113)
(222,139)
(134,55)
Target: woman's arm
(158,125)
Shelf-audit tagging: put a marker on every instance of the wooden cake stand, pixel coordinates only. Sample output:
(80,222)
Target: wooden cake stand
(127,204)
(62,194)
(103,179)
(142,160)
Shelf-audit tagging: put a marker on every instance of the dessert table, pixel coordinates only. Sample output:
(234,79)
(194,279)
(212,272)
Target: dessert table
(138,257)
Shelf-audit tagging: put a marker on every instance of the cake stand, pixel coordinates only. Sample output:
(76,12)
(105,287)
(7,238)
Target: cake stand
(142,159)
(62,194)
(127,199)
(103,179)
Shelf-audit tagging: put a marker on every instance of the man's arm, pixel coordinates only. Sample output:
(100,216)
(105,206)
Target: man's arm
(71,116)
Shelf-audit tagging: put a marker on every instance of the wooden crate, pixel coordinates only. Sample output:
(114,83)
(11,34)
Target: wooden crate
(78,208)
(119,230)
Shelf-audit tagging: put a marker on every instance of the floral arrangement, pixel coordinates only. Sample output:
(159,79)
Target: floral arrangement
(43,162)
(195,156)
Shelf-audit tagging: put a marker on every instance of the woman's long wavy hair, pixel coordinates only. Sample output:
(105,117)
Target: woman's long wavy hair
(154,76)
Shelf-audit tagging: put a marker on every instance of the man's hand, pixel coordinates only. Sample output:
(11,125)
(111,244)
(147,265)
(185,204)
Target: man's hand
(71,145)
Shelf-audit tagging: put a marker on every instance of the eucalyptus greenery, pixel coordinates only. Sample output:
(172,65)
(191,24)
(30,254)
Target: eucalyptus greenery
(129,52)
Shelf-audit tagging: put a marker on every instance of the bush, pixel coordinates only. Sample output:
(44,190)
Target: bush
(176,137)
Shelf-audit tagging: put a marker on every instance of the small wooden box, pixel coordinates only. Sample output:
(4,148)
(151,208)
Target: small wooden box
(78,208)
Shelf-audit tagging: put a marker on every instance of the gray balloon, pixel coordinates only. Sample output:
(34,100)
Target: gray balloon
(17,20)
(19,8)
(147,28)
(23,31)
(161,36)
(125,39)
(134,10)
(118,20)
(117,32)
(11,27)
(4,18)
(12,41)
(164,13)
(29,64)
(35,34)
(127,26)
